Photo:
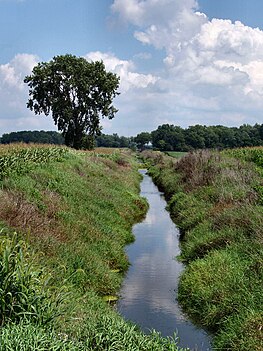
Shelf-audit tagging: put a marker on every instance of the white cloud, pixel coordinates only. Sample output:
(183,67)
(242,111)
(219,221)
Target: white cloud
(213,69)
(12,74)
(13,90)
(14,94)
(124,69)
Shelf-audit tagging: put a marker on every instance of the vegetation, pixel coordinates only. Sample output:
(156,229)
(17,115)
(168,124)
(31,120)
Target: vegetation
(39,137)
(216,200)
(176,154)
(114,141)
(254,155)
(72,220)
(142,139)
(51,137)
(77,92)
(168,137)
(21,158)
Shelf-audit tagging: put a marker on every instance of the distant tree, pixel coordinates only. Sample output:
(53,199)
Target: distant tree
(41,137)
(77,93)
(168,137)
(211,138)
(195,137)
(142,139)
(106,140)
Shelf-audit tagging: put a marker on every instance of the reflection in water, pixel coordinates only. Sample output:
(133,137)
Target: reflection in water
(148,295)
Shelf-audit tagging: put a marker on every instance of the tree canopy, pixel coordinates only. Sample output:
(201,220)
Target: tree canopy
(28,136)
(168,137)
(142,139)
(78,93)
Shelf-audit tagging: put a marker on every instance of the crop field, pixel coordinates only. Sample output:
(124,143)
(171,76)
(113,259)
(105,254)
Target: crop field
(252,154)
(20,158)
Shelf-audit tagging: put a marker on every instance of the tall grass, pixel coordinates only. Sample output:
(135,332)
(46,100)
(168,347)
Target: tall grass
(215,199)
(77,215)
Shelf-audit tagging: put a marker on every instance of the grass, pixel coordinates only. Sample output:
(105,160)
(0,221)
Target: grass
(73,217)
(175,154)
(216,200)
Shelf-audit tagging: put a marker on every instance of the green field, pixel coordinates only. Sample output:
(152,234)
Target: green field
(175,154)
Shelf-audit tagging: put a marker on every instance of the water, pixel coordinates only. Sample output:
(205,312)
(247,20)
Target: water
(148,295)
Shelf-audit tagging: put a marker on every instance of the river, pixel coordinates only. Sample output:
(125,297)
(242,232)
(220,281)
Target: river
(148,294)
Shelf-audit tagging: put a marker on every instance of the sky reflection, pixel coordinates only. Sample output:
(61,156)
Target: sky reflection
(148,295)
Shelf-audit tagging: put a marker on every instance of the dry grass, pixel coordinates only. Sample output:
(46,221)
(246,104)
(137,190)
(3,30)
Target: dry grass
(26,217)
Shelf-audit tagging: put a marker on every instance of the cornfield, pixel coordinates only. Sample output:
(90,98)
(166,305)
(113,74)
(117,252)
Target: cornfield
(252,154)
(20,158)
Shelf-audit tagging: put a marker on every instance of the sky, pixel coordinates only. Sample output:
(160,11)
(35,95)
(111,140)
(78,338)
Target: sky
(182,62)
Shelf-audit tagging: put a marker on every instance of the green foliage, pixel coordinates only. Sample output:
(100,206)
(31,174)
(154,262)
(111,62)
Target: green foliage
(30,337)
(114,140)
(77,92)
(217,201)
(174,138)
(20,159)
(142,139)
(248,154)
(188,210)
(22,291)
(176,154)
(222,284)
(39,137)
(117,335)
(83,208)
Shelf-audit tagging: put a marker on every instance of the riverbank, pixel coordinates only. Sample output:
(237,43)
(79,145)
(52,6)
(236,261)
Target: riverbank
(148,293)
(216,200)
(66,217)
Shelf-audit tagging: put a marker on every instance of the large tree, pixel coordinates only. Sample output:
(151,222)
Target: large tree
(78,93)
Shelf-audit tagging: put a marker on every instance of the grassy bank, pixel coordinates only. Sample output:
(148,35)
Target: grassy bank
(216,200)
(65,220)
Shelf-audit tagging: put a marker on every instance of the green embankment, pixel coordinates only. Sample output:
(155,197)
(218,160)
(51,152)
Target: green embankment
(175,154)
(65,220)
(216,200)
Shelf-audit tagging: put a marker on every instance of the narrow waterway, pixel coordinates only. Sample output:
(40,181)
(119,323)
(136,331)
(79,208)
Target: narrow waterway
(148,294)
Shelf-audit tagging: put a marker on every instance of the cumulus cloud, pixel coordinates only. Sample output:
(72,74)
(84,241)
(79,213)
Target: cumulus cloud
(129,79)
(135,102)
(210,65)
(211,71)
(14,93)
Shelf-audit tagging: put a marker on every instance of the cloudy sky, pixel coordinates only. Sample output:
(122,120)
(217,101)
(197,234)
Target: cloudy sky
(182,62)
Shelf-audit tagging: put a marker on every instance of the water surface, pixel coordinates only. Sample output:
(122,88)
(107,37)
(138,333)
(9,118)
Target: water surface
(148,295)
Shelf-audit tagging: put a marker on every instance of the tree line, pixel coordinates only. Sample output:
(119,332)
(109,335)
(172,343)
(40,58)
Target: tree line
(52,137)
(168,137)
(78,94)
(39,137)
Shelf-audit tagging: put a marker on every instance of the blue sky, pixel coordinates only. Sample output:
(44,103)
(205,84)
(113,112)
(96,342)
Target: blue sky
(180,61)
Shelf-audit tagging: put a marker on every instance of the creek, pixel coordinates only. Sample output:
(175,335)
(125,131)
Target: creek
(149,291)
